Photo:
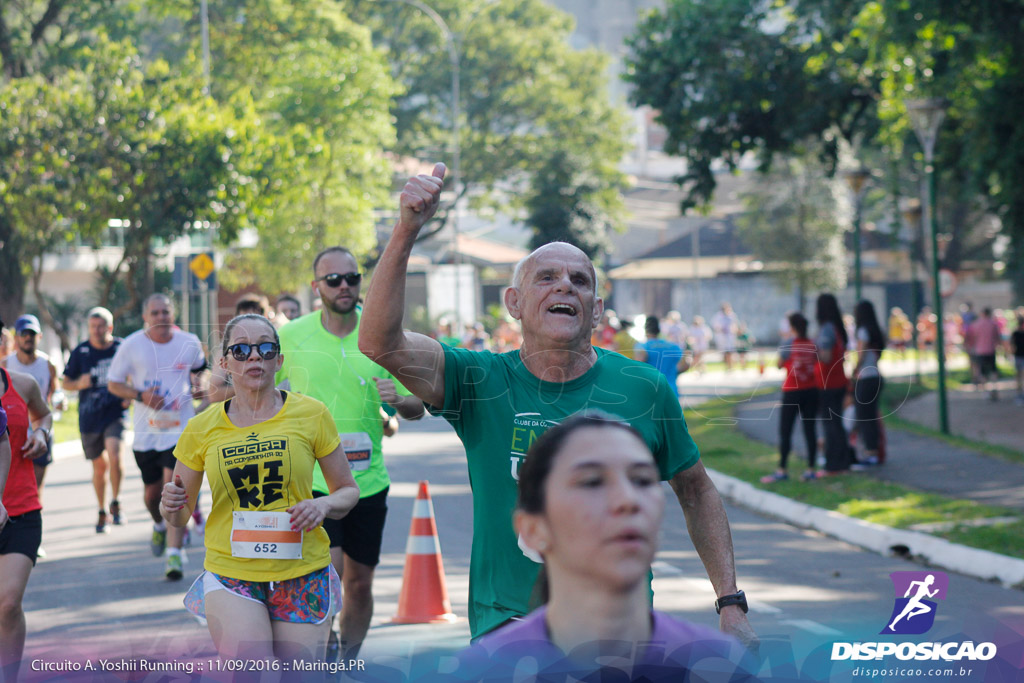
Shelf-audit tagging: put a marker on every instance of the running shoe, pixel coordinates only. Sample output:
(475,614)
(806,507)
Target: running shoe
(115,513)
(158,543)
(101,523)
(174,570)
(865,464)
(774,477)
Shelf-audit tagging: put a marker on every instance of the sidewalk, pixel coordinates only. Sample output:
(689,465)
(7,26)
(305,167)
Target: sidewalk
(919,462)
(926,463)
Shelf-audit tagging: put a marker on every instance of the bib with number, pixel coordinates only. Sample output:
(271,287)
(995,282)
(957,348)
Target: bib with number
(358,449)
(165,420)
(261,534)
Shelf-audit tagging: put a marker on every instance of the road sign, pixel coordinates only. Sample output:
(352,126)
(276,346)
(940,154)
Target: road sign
(947,282)
(202,265)
(189,272)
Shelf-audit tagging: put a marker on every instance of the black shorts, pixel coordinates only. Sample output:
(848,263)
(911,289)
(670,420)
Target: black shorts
(987,364)
(23,534)
(93,443)
(359,533)
(152,464)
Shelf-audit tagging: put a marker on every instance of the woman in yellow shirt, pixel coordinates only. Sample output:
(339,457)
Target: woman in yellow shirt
(269,590)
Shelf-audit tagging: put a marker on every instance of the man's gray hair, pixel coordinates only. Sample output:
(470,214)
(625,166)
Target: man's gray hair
(102,313)
(155,296)
(519,272)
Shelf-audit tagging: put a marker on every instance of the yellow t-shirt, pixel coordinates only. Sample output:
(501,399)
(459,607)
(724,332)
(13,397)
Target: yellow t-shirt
(268,466)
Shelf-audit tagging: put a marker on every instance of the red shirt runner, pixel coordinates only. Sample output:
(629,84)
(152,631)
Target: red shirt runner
(20,494)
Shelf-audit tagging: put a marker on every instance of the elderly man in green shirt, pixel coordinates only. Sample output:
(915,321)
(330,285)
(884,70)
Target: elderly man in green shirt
(500,403)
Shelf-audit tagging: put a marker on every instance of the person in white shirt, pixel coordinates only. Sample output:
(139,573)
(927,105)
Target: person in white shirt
(157,368)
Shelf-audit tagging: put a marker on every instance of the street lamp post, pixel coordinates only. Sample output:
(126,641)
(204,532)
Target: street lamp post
(453,56)
(857,179)
(452,41)
(912,216)
(204,22)
(926,116)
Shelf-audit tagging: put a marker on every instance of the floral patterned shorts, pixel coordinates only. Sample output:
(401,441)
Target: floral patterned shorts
(308,599)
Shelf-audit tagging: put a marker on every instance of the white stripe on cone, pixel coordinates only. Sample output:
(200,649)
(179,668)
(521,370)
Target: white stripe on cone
(422,545)
(422,508)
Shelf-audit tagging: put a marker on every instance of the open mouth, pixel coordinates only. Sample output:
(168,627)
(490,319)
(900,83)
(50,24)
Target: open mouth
(630,536)
(563,309)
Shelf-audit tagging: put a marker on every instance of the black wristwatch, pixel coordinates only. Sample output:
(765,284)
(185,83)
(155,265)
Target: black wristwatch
(737,598)
(138,395)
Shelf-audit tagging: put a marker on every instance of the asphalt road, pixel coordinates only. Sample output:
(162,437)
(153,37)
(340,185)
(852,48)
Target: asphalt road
(104,596)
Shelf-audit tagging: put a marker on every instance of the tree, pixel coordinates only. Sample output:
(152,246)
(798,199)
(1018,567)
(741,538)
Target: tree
(526,97)
(791,224)
(103,138)
(971,54)
(731,78)
(90,133)
(321,92)
(565,204)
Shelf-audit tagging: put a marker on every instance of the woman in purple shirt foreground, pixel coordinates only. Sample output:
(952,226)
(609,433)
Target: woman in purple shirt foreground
(590,503)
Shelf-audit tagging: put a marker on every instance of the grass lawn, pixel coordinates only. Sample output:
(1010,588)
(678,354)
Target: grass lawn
(66,428)
(724,448)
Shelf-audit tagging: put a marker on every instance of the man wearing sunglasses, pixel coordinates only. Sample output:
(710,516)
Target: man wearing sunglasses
(158,369)
(322,359)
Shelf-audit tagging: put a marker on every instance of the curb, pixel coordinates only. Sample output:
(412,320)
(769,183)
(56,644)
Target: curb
(980,564)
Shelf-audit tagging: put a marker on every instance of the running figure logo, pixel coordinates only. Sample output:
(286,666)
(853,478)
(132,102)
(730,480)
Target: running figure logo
(914,612)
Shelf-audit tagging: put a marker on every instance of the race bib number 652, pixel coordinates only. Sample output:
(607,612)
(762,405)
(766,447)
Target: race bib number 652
(265,534)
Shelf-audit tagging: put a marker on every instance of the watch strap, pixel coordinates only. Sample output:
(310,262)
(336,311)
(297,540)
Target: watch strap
(737,598)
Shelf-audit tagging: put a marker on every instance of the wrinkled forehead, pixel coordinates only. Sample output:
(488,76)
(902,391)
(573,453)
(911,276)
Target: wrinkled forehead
(159,304)
(560,255)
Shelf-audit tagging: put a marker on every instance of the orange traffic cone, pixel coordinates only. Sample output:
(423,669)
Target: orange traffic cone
(424,596)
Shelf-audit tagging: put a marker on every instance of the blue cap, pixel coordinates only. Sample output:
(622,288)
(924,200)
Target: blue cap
(27,322)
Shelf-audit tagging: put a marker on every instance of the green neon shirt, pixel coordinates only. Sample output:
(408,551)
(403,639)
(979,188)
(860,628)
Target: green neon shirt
(335,372)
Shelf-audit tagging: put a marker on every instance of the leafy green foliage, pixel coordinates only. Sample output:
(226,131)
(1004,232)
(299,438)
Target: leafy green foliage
(791,224)
(732,78)
(321,93)
(526,98)
(97,134)
(566,203)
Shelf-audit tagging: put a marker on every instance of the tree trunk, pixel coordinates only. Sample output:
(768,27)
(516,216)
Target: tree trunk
(12,277)
(44,309)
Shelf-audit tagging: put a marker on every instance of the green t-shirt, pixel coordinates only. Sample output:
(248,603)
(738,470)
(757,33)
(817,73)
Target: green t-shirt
(335,372)
(499,408)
